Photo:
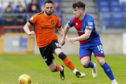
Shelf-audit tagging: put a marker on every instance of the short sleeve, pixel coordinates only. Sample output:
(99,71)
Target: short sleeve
(33,19)
(70,23)
(90,23)
(58,23)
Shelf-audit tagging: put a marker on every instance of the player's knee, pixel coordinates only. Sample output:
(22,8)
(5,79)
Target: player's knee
(101,61)
(85,65)
(62,56)
(53,69)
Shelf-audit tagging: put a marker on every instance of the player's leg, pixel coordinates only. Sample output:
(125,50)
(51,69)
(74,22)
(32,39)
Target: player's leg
(49,60)
(107,69)
(57,50)
(55,68)
(85,57)
(68,62)
(99,53)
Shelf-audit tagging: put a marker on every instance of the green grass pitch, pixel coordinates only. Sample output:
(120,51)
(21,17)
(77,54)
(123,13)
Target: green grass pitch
(12,66)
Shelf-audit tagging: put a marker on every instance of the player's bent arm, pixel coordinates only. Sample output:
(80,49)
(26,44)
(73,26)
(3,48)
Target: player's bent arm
(64,35)
(61,31)
(66,29)
(84,36)
(26,28)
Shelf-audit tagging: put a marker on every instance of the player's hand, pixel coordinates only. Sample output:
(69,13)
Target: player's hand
(31,33)
(72,40)
(62,42)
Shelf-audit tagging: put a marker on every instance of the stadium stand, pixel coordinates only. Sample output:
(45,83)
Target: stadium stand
(57,10)
(68,13)
(33,7)
(103,11)
(112,13)
(8,16)
(14,13)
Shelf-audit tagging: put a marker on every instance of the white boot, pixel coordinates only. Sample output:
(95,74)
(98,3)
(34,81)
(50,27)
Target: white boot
(94,71)
(80,75)
(114,81)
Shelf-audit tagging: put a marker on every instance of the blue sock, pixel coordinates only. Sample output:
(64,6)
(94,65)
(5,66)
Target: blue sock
(108,71)
(90,65)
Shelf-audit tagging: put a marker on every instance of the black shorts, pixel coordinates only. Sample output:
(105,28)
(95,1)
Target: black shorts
(47,51)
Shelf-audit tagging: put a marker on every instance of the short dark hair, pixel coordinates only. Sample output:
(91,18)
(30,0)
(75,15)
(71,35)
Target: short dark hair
(48,1)
(79,4)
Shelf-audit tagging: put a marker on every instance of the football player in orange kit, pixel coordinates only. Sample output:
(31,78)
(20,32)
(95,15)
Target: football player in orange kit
(45,23)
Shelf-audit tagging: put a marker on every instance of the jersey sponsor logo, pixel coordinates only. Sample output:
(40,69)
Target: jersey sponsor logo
(90,23)
(46,27)
(52,22)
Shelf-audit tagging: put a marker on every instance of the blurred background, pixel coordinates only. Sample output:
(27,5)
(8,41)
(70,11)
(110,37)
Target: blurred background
(109,15)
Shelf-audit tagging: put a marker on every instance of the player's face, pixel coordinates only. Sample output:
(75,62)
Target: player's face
(77,12)
(48,8)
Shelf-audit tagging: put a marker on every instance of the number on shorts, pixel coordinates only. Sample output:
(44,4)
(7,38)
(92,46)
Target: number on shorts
(57,45)
(100,48)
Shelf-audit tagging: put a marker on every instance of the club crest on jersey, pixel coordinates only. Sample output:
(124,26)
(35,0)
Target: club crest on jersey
(76,23)
(52,22)
(90,23)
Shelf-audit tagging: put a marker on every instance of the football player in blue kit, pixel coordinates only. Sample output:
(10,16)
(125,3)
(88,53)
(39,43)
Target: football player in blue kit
(89,40)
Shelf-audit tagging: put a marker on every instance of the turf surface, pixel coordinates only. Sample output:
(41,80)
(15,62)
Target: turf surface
(12,66)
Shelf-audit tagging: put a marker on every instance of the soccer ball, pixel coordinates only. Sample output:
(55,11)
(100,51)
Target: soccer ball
(24,79)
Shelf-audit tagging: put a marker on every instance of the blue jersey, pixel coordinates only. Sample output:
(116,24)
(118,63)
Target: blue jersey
(93,43)
(86,23)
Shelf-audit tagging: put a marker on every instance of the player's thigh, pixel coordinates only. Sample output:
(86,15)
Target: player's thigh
(85,55)
(57,51)
(98,50)
(56,47)
(47,55)
(84,52)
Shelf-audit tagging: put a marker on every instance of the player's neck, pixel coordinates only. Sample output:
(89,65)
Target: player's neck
(47,15)
(82,16)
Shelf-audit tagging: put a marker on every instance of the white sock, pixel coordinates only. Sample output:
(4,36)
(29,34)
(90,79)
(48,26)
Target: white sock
(61,68)
(75,70)
(114,81)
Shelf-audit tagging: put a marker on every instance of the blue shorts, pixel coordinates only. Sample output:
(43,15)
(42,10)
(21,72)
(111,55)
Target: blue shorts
(87,50)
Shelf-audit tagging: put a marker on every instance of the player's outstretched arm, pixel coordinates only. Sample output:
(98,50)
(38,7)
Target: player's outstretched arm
(27,30)
(85,36)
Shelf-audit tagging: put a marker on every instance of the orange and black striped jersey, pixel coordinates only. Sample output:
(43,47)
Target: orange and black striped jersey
(45,28)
